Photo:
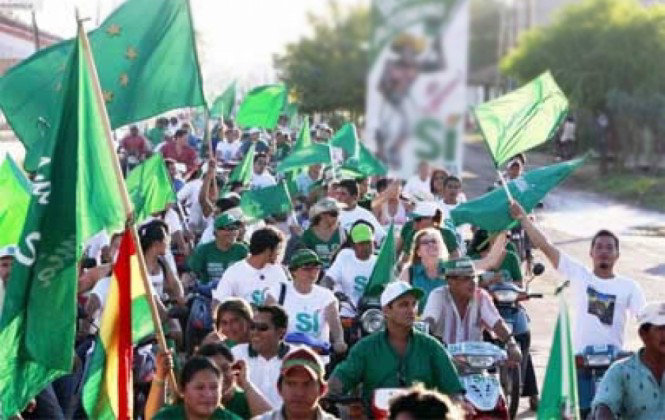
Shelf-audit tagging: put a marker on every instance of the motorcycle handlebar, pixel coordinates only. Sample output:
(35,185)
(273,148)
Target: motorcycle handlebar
(535,295)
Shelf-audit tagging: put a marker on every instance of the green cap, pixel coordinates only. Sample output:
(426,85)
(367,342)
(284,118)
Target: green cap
(361,233)
(304,257)
(225,219)
(462,267)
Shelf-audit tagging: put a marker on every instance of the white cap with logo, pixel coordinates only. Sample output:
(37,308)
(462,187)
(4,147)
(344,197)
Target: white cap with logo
(653,313)
(397,289)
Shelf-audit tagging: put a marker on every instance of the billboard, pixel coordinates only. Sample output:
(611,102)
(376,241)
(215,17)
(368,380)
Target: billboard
(416,93)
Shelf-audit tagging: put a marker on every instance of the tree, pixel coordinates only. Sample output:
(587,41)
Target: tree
(604,54)
(327,72)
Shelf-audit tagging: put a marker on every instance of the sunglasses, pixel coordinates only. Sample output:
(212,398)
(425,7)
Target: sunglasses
(259,327)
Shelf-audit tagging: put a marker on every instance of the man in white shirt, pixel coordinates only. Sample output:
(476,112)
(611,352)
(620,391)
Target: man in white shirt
(258,278)
(265,350)
(305,180)
(419,185)
(347,193)
(227,149)
(602,298)
(261,178)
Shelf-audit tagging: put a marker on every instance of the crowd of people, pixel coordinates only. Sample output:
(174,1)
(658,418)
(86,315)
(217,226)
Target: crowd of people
(307,271)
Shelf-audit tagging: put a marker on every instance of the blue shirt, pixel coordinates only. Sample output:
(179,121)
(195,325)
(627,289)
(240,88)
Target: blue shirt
(630,390)
(420,279)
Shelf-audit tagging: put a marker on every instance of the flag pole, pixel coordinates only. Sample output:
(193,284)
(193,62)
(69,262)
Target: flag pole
(505,185)
(123,191)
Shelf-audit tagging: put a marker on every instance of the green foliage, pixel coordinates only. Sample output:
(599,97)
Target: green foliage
(327,72)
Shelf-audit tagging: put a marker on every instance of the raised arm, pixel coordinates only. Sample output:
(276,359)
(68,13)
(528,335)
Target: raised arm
(496,254)
(538,239)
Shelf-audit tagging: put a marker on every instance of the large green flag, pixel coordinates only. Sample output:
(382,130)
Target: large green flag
(365,163)
(559,397)
(346,138)
(223,105)
(149,187)
(243,172)
(522,119)
(261,106)
(312,155)
(15,190)
(491,211)
(75,196)
(384,268)
(260,203)
(147,65)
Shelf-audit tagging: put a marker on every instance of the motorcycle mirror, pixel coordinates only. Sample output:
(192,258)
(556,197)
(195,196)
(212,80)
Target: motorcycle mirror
(538,269)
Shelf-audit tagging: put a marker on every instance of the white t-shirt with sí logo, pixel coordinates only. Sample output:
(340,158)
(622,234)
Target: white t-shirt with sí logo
(307,311)
(601,305)
(350,275)
(254,285)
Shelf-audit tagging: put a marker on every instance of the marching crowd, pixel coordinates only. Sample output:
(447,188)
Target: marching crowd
(305,274)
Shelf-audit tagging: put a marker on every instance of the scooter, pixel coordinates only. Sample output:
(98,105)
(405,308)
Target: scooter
(478,364)
(591,366)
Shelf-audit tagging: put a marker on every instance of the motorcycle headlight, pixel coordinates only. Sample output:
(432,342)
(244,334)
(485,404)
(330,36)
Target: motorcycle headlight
(371,320)
(505,296)
(598,360)
(480,362)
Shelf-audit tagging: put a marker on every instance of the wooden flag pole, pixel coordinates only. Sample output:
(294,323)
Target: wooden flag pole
(505,185)
(124,194)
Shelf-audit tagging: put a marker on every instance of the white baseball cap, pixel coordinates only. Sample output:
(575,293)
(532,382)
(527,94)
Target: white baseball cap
(653,313)
(397,289)
(425,209)
(254,130)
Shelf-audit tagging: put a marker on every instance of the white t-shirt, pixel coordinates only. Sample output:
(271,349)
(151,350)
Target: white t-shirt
(348,217)
(94,245)
(189,194)
(307,312)
(227,151)
(350,276)
(601,305)
(262,180)
(244,281)
(262,372)
(416,187)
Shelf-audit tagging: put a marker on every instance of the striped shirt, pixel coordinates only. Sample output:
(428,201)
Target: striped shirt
(450,326)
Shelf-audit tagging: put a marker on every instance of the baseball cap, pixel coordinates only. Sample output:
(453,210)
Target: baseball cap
(304,358)
(462,267)
(424,209)
(653,313)
(253,130)
(397,289)
(325,205)
(8,251)
(361,233)
(304,257)
(226,219)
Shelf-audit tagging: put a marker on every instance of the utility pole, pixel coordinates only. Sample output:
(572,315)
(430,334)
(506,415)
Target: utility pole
(25,5)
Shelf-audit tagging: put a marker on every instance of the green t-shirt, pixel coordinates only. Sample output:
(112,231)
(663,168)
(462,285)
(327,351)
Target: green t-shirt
(510,265)
(155,135)
(209,262)
(325,249)
(239,405)
(407,234)
(177,411)
(374,363)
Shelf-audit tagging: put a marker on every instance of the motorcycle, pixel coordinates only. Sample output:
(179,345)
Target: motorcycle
(478,364)
(507,297)
(591,365)
(368,319)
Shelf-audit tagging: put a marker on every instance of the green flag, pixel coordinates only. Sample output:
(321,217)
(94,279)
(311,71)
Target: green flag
(365,163)
(149,187)
(263,202)
(261,107)
(491,211)
(75,196)
(559,397)
(384,268)
(291,111)
(304,138)
(15,190)
(147,65)
(312,155)
(346,138)
(243,172)
(522,119)
(223,105)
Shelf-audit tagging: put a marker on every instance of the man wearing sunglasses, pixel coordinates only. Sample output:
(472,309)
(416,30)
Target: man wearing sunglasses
(265,351)
(210,260)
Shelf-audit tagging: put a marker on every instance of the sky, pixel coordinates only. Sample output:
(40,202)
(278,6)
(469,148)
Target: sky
(237,38)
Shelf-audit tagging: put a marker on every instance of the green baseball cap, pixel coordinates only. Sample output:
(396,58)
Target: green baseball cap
(361,233)
(304,257)
(462,267)
(225,220)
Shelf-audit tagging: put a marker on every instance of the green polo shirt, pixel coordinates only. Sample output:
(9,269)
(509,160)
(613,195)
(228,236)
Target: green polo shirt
(509,264)
(209,262)
(407,233)
(177,411)
(374,363)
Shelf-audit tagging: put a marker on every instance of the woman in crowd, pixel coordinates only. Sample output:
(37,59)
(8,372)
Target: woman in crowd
(436,183)
(387,206)
(324,236)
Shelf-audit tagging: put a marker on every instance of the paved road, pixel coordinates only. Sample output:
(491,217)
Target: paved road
(570,218)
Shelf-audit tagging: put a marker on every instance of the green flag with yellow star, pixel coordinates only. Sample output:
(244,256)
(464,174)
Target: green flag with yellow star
(147,64)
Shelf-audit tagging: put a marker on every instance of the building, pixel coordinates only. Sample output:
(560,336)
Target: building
(18,41)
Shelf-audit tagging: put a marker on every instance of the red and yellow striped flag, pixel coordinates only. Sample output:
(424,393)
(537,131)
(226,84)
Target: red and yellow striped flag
(107,392)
